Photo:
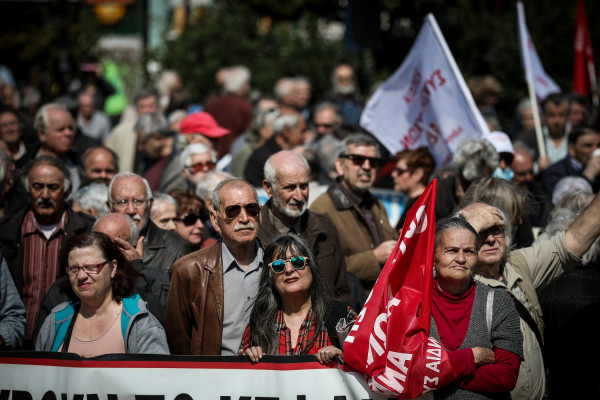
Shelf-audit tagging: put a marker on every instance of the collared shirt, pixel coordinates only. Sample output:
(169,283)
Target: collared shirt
(239,289)
(304,344)
(365,204)
(40,264)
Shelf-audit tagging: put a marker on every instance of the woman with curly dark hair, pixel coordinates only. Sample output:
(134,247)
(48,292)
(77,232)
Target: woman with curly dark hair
(107,318)
(292,313)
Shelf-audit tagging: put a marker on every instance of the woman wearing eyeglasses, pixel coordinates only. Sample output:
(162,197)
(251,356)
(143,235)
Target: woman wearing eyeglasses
(292,313)
(191,217)
(102,317)
(411,175)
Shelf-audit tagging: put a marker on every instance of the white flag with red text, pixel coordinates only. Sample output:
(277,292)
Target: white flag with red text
(426,102)
(534,71)
(390,341)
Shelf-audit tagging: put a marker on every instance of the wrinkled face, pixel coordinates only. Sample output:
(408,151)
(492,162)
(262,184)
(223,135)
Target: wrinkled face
(129,197)
(556,118)
(455,257)
(325,121)
(290,194)
(577,115)
(358,178)
(91,288)
(163,215)
(190,227)
(198,166)
(237,229)
(147,105)
(46,187)
(100,164)
(59,133)
(10,129)
(492,246)
(522,167)
(584,147)
(292,281)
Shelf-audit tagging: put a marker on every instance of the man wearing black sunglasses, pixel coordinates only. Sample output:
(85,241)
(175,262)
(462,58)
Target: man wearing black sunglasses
(361,219)
(212,289)
(286,183)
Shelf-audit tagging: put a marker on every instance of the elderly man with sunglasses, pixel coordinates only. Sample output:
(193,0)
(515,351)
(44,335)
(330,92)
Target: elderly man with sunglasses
(130,194)
(361,219)
(212,289)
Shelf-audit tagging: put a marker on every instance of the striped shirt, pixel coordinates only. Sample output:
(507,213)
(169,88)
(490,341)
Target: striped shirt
(40,264)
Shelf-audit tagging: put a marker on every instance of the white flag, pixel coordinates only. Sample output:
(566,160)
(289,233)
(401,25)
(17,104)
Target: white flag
(425,102)
(534,72)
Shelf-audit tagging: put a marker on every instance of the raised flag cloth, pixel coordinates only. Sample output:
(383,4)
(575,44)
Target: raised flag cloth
(534,71)
(390,341)
(426,102)
(584,69)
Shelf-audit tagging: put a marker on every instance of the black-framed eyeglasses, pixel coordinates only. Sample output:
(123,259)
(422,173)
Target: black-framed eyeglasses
(359,160)
(191,219)
(202,166)
(252,209)
(88,269)
(298,263)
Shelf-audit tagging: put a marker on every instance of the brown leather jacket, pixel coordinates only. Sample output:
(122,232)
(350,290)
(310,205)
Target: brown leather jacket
(194,318)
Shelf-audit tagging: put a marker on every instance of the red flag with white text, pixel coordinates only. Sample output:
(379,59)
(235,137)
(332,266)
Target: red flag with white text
(584,69)
(390,341)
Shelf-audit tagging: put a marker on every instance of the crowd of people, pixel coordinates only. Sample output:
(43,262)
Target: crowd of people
(155,221)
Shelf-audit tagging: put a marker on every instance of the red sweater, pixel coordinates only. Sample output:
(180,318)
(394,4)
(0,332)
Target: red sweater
(452,314)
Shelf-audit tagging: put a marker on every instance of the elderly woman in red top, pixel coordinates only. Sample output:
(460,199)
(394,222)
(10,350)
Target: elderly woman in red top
(292,314)
(478,325)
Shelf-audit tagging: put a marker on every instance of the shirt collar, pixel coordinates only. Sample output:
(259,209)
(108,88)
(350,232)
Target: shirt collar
(229,261)
(30,224)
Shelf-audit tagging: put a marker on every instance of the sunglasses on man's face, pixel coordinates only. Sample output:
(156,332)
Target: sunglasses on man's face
(359,160)
(199,167)
(298,263)
(252,209)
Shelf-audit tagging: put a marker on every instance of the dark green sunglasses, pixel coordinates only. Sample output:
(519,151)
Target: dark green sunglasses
(278,266)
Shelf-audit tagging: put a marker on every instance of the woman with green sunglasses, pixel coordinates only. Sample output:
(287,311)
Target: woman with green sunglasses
(292,313)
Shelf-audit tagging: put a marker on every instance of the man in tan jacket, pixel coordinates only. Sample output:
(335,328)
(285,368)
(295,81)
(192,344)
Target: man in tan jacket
(361,219)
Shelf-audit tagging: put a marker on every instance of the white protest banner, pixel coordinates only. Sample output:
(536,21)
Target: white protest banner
(534,71)
(57,376)
(426,102)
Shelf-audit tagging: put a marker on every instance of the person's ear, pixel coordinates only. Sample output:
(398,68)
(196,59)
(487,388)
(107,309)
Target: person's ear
(113,271)
(268,187)
(213,220)
(339,167)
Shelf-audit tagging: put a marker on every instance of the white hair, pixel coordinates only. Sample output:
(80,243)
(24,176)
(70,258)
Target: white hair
(235,78)
(286,120)
(92,196)
(209,182)
(161,198)
(40,122)
(123,175)
(185,158)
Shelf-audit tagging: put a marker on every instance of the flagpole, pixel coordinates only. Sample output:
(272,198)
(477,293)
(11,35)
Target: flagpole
(529,79)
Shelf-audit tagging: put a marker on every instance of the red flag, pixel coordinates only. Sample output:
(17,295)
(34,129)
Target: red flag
(390,340)
(584,70)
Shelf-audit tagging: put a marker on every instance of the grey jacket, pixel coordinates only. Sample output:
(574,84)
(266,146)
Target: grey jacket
(142,333)
(12,311)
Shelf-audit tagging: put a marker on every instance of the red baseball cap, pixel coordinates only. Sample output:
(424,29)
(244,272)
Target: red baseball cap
(202,123)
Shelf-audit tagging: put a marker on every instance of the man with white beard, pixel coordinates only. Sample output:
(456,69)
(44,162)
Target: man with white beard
(130,194)
(286,182)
